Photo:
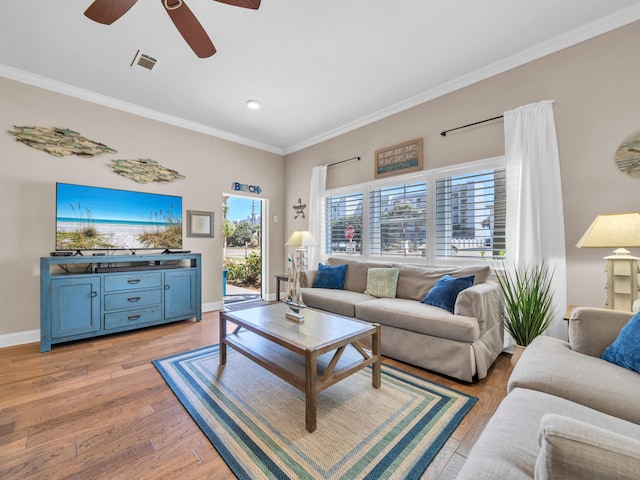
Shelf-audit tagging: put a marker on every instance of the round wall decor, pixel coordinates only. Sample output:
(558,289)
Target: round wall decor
(628,156)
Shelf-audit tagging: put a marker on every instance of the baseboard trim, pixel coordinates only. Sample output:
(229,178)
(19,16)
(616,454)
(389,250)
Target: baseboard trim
(19,338)
(212,307)
(33,336)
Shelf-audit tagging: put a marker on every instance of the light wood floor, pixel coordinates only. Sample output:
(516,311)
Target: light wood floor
(98,409)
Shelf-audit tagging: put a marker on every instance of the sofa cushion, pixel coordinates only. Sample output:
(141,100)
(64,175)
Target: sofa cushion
(340,302)
(574,450)
(330,276)
(445,292)
(549,365)
(625,350)
(382,282)
(508,446)
(356,276)
(415,281)
(418,317)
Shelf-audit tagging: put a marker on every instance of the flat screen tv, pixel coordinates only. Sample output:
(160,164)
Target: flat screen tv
(96,218)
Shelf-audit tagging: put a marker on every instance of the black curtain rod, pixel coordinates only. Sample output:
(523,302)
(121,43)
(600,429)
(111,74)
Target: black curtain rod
(342,161)
(444,134)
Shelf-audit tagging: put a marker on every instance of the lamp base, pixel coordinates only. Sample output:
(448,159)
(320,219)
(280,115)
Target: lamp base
(622,281)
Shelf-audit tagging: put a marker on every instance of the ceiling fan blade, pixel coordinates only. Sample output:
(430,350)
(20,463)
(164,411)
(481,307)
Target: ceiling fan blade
(108,11)
(189,27)
(253,4)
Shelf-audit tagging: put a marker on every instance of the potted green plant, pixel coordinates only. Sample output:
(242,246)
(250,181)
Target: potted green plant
(527,303)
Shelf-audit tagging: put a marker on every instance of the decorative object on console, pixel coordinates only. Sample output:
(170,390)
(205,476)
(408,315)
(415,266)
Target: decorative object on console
(619,231)
(58,141)
(299,209)
(628,156)
(301,239)
(527,303)
(199,224)
(144,170)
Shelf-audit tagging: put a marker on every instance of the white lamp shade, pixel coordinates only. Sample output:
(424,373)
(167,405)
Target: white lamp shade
(301,238)
(613,230)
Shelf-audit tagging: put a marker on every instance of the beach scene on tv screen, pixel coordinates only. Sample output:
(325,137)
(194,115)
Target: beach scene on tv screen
(94,218)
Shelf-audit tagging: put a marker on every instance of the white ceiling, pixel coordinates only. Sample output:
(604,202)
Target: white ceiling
(319,68)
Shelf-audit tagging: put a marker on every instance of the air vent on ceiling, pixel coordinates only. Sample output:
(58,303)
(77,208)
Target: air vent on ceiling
(144,61)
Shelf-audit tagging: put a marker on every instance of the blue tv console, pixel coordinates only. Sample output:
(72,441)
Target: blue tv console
(87,296)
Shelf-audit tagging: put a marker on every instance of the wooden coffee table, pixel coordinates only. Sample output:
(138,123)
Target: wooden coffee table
(311,355)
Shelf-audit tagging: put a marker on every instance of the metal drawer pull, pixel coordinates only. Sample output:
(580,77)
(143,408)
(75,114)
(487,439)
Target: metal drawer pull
(133,299)
(134,317)
(93,294)
(134,280)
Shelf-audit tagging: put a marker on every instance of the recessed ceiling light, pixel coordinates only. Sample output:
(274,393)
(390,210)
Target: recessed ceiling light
(253,104)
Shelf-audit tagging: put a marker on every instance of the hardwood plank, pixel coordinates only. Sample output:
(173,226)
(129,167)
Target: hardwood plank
(37,462)
(99,409)
(441,460)
(178,467)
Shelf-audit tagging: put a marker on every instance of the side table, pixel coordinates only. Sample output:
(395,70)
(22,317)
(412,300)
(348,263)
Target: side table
(568,313)
(280,278)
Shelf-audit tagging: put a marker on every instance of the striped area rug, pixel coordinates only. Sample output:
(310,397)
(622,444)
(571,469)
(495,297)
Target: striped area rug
(256,421)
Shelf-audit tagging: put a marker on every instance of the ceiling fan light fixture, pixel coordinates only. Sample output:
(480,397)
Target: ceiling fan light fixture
(253,104)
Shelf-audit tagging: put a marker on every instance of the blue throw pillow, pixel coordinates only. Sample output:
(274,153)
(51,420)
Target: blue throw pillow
(330,276)
(625,350)
(445,292)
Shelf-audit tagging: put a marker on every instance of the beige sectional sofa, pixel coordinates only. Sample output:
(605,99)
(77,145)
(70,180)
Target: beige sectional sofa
(568,414)
(462,344)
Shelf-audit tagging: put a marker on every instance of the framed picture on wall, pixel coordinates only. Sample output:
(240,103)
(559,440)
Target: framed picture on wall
(199,224)
(402,158)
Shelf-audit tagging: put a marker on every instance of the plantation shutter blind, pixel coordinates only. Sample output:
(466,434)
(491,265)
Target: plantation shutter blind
(471,215)
(397,220)
(342,212)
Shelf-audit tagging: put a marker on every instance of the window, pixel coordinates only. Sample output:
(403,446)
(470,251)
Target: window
(343,215)
(451,213)
(398,220)
(471,214)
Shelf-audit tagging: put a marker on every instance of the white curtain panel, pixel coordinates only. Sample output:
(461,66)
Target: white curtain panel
(316,197)
(535,220)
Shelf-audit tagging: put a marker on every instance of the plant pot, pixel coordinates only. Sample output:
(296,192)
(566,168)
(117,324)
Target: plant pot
(517,353)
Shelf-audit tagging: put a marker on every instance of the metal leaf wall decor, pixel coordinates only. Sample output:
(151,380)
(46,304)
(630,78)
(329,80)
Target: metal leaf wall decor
(145,171)
(58,141)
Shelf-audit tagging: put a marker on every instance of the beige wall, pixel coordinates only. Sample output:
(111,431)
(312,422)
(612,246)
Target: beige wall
(28,178)
(595,87)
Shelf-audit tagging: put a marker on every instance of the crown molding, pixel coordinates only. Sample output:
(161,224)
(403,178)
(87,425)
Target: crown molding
(104,100)
(599,27)
(579,35)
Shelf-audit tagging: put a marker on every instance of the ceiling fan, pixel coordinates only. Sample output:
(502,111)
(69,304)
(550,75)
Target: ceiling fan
(108,11)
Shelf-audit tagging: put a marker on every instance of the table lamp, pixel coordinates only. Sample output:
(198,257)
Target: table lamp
(303,240)
(619,231)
